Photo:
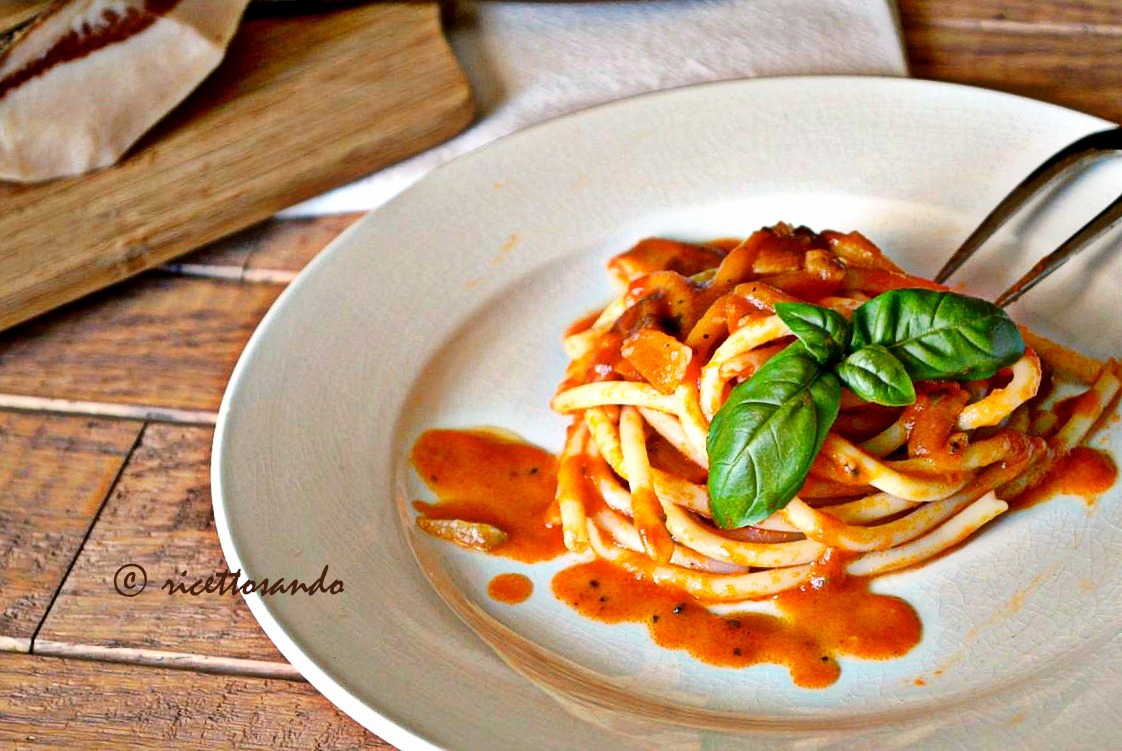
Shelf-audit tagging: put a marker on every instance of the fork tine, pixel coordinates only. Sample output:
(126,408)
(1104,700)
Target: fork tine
(1075,153)
(1106,219)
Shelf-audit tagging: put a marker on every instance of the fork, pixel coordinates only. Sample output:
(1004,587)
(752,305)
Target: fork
(1080,152)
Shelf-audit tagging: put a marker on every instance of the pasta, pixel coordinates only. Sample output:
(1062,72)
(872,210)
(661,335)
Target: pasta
(891,486)
(782,418)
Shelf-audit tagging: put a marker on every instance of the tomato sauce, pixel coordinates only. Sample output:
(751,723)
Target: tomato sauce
(830,616)
(583,323)
(481,476)
(510,588)
(1082,405)
(1084,472)
(847,618)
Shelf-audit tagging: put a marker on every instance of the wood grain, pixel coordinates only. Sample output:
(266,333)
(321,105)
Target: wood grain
(1078,16)
(159,517)
(160,341)
(16,12)
(301,104)
(54,473)
(1073,59)
(171,341)
(51,703)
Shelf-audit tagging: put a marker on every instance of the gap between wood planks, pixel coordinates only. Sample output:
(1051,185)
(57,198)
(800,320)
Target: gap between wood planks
(23,403)
(171,660)
(246,667)
(1027,27)
(85,538)
(230,273)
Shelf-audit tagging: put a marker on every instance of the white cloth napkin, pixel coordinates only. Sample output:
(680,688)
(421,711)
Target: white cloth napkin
(530,61)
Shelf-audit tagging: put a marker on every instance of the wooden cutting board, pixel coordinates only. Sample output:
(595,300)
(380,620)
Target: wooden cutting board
(302,104)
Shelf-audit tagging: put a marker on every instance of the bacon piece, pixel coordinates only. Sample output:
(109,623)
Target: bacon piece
(933,418)
(84,81)
(471,535)
(857,250)
(658,254)
(660,358)
(875,281)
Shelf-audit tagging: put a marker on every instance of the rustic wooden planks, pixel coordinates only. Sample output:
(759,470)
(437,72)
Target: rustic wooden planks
(54,472)
(129,349)
(1059,52)
(1082,16)
(301,104)
(158,517)
(50,703)
(159,342)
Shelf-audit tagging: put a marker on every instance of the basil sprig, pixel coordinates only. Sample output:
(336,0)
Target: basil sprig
(939,335)
(876,376)
(753,467)
(825,333)
(764,439)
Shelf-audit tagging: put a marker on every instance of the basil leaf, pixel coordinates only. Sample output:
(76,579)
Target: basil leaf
(876,376)
(939,335)
(763,440)
(824,332)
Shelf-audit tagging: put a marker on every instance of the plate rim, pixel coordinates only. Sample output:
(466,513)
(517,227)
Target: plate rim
(379,719)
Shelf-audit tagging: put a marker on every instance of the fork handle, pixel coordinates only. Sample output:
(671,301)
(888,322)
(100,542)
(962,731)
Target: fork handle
(1090,146)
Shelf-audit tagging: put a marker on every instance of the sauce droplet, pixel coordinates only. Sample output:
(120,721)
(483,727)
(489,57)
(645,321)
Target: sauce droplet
(510,588)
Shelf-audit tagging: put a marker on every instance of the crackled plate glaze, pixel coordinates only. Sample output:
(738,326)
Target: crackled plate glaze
(445,308)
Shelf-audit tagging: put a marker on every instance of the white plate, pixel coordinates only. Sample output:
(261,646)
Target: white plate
(445,309)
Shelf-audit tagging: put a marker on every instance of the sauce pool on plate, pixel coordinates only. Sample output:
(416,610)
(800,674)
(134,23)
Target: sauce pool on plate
(1084,472)
(830,616)
(489,477)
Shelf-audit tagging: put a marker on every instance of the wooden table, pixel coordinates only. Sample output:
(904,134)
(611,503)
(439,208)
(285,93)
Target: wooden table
(106,415)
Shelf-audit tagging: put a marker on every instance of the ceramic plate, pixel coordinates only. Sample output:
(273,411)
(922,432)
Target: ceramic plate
(445,309)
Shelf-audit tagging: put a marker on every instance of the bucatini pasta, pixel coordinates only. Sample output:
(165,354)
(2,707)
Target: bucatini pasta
(882,493)
(908,445)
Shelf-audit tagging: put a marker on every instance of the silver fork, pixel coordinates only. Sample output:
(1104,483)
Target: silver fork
(1082,151)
